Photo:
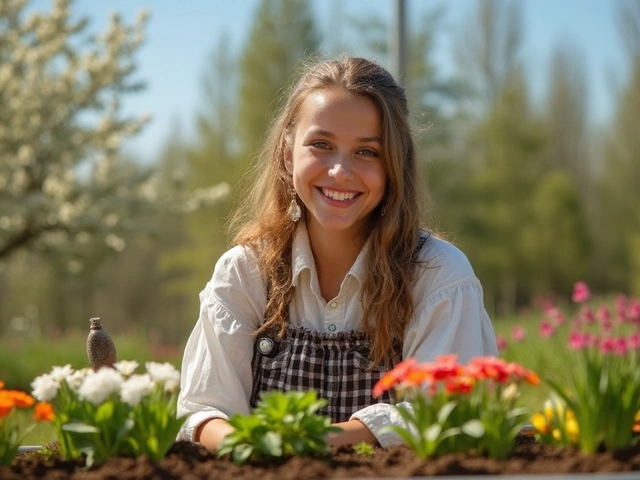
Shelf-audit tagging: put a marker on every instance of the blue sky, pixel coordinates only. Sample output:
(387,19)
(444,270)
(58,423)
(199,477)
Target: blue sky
(182,34)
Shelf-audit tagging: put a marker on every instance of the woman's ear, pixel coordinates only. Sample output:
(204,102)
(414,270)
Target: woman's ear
(288,158)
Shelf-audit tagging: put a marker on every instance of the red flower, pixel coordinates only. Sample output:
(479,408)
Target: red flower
(393,377)
(488,367)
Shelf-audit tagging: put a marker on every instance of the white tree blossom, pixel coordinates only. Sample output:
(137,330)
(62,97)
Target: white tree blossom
(64,190)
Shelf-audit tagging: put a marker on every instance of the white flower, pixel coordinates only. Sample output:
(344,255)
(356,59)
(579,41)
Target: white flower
(45,388)
(97,387)
(164,373)
(61,373)
(135,388)
(126,367)
(75,379)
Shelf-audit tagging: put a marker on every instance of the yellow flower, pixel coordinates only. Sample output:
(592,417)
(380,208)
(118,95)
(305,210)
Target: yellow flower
(571,427)
(540,423)
(636,418)
(557,434)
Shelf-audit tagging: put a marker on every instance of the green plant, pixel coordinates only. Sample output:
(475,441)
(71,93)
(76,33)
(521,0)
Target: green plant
(113,411)
(363,448)
(282,424)
(601,394)
(449,407)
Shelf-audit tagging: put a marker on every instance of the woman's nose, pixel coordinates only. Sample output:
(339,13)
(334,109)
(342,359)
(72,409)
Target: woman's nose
(342,168)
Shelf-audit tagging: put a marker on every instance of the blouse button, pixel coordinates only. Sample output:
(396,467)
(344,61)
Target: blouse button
(334,304)
(332,328)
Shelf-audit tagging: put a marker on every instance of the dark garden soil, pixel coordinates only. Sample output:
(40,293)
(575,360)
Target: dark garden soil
(190,461)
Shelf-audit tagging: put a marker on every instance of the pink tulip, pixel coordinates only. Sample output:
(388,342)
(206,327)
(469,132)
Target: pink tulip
(620,347)
(581,292)
(501,342)
(546,329)
(603,314)
(608,345)
(633,341)
(578,341)
(621,308)
(557,317)
(518,333)
(587,315)
(634,312)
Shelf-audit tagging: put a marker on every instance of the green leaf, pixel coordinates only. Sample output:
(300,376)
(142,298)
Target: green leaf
(241,453)
(474,428)
(104,412)
(78,427)
(433,432)
(271,443)
(445,411)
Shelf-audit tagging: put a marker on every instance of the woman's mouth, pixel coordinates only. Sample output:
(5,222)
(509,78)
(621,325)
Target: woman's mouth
(339,196)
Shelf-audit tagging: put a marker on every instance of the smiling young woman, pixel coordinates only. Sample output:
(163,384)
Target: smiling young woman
(331,281)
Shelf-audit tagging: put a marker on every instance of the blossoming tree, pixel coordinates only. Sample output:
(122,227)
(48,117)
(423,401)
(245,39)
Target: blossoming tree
(64,191)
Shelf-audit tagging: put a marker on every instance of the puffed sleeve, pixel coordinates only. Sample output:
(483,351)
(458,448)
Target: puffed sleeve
(449,319)
(216,377)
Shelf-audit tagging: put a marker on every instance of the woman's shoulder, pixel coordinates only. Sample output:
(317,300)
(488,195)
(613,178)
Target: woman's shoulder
(441,263)
(239,261)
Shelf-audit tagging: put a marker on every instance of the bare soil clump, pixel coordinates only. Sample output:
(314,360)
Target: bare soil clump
(190,461)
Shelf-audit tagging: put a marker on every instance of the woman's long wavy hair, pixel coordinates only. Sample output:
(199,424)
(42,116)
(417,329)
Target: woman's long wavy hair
(263,224)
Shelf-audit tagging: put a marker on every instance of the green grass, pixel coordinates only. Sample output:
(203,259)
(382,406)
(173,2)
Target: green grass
(22,360)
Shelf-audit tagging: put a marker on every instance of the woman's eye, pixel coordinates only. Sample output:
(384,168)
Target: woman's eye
(320,144)
(368,152)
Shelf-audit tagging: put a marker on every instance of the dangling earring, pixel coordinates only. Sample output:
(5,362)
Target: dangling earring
(384,207)
(294,211)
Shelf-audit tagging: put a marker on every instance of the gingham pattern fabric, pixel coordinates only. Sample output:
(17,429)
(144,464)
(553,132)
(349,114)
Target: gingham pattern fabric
(335,365)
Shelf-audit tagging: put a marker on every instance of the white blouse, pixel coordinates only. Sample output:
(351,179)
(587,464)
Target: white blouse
(216,377)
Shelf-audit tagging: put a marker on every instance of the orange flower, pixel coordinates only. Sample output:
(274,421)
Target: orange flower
(20,399)
(417,376)
(5,406)
(43,412)
(1,384)
(523,373)
(393,377)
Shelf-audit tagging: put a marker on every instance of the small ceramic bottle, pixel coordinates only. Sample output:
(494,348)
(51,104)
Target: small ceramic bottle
(100,348)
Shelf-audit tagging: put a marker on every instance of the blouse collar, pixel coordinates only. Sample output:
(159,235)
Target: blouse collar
(303,256)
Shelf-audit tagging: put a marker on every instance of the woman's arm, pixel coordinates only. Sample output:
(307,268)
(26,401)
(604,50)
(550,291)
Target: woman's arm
(354,432)
(211,432)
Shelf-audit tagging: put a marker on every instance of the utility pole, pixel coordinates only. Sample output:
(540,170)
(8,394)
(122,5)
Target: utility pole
(398,42)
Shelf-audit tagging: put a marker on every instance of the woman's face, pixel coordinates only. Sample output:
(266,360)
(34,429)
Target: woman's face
(335,160)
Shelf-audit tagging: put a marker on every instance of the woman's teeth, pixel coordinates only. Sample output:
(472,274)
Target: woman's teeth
(340,196)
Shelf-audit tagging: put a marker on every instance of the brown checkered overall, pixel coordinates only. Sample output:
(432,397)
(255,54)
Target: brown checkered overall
(335,365)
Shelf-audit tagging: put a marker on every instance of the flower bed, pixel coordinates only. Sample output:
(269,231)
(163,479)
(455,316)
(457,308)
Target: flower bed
(457,419)
(186,460)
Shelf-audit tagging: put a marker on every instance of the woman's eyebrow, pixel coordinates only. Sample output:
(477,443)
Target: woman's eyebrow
(325,133)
